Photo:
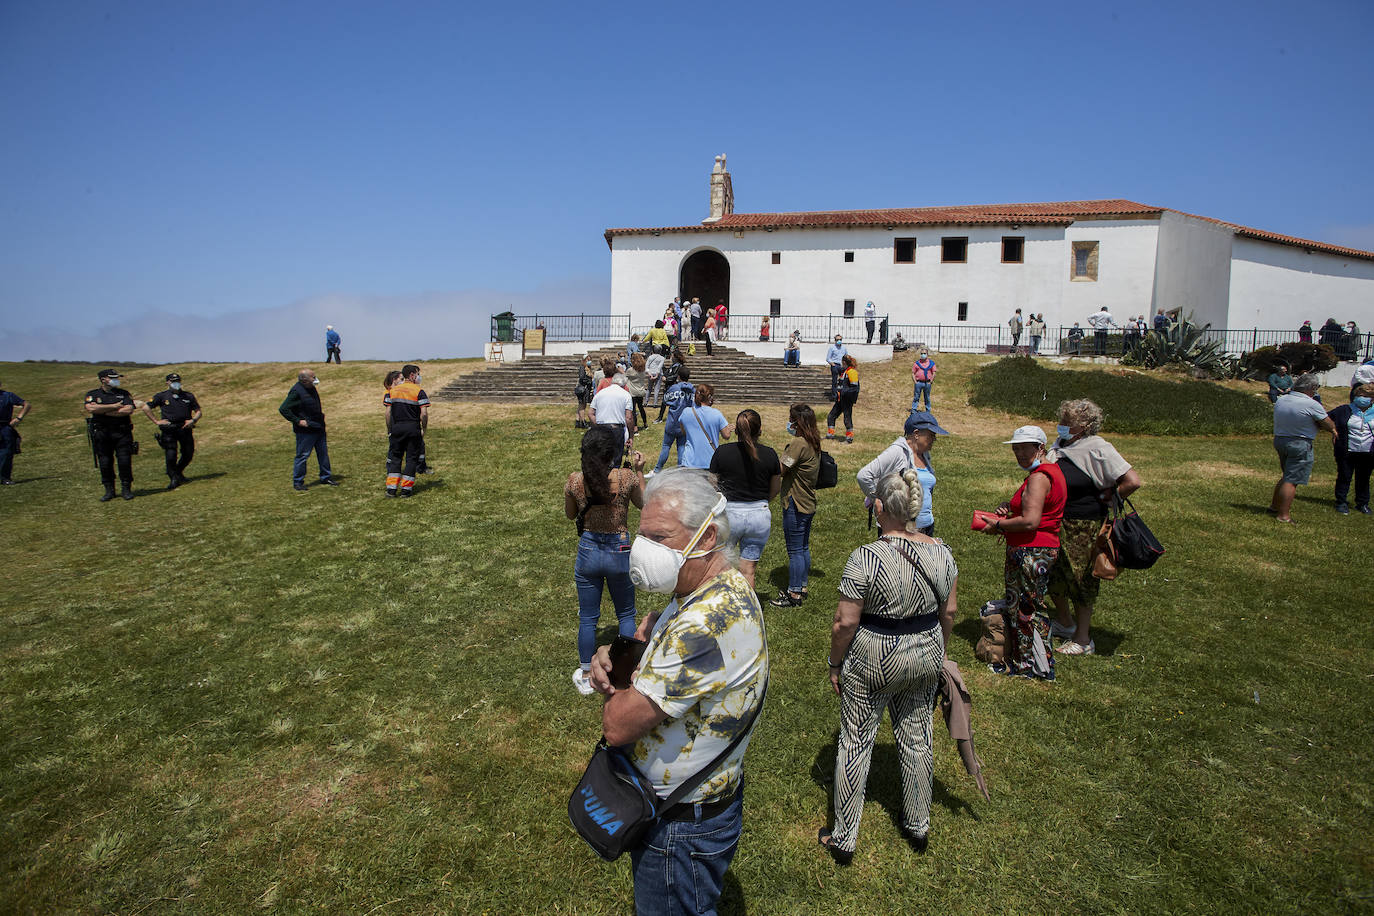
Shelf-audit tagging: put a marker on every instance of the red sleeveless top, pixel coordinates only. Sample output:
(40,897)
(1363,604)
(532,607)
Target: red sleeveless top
(1047,535)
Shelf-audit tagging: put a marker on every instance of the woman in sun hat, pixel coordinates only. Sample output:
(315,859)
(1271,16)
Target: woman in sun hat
(1094,472)
(1030,523)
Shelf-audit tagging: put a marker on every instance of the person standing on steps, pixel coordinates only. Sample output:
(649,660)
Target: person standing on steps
(870,319)
(332,343)
(180,414)
(302,409)
(1102,323)
(1016,326)
(108,412)
(834,358)
(13,409)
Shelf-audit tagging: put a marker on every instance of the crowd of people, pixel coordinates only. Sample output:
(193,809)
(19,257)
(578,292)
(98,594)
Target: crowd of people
(704,528)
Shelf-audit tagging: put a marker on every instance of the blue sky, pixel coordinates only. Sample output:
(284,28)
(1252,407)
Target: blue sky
(188,170)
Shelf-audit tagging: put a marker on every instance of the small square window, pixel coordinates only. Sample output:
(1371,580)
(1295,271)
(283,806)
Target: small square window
(775,307)
(1013,249)
(963,311)
(904,251)
(849,257)
(849,308)
(954,249)
(777,257)
(1084,263)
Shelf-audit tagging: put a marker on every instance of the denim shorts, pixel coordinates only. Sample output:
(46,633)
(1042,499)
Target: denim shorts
(750,525)
(1296,458)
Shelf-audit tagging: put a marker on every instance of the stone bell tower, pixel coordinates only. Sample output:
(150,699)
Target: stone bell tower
(722,193)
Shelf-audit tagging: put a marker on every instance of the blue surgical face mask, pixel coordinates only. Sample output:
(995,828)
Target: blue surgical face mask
(1063,432)
(113,380)
(1034,464)
(792,427)
(175,386)
(1363,403)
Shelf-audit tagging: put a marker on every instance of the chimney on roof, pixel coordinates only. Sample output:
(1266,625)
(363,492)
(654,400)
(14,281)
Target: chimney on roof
(722,193)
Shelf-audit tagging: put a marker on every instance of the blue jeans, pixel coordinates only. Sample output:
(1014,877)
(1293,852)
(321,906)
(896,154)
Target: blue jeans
(791,357)
(602,559)
(680,867)
(922,388)
(307,441)
(796,531)
(680,438)
(750,525)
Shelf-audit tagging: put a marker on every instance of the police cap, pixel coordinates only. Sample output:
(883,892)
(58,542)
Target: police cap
(173,377)
(106,373)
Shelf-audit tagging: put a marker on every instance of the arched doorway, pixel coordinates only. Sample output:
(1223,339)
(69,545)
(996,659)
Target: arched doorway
(705,275)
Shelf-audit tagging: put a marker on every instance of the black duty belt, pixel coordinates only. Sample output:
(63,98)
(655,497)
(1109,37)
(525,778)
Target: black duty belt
(686,811)
(900,626)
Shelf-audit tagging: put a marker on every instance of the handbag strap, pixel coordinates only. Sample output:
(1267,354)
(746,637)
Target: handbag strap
(920,570)
(703,428)
(687,787)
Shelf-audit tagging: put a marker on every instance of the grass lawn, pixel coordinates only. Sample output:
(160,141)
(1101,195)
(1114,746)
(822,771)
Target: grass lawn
(236,698)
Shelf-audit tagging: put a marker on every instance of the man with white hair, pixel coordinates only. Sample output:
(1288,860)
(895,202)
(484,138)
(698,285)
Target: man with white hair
(331,344)
(697,689)
(613,406)
(1297,417)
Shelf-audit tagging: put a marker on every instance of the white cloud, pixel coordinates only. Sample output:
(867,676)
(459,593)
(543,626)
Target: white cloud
(418,326)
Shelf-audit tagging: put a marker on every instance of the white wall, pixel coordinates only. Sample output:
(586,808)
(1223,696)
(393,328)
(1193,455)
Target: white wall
(1193,268)
(814,279)
(1280,286)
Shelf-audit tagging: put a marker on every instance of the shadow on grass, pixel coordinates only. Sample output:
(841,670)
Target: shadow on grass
(885,779)
(1105,642)
(777,577)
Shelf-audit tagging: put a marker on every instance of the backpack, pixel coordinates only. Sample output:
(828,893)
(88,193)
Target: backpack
(828,474)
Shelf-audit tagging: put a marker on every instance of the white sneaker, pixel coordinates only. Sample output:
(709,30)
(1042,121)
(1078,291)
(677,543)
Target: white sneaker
(1076,648)
(582,682)
(1059,631)
(649,474)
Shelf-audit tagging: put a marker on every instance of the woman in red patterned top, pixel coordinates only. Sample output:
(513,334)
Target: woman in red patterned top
(1030,523)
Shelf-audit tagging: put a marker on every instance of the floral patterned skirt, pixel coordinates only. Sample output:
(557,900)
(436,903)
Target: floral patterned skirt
(1026,576)
(1072,574)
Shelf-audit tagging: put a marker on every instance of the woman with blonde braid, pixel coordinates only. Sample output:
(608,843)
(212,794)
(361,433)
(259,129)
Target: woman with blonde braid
(898,597)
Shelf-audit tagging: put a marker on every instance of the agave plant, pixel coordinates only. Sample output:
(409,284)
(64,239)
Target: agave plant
(1183,344)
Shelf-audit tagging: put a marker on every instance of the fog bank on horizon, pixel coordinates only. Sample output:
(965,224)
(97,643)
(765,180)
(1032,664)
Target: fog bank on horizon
(420,326)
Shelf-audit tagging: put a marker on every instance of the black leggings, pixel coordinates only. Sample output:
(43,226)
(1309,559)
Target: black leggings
(639,405)
(845,404)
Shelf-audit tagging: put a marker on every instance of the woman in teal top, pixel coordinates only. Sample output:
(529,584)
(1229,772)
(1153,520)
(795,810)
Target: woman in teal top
(1280,381)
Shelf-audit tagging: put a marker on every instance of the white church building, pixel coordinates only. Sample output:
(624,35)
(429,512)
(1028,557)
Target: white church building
(976,264)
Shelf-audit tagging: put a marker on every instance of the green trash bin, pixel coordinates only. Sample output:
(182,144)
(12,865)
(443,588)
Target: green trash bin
(505,327)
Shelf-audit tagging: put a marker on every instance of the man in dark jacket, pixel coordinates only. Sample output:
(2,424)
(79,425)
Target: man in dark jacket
(302,408)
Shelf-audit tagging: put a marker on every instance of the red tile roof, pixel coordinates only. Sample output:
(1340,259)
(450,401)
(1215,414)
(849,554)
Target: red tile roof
(1061,213)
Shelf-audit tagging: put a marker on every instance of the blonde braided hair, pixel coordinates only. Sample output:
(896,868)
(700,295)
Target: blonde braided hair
(903,497)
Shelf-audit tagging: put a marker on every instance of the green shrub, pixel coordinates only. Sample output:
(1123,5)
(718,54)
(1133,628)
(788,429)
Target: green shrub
(1302,357)
(1132,403)
(1183,344)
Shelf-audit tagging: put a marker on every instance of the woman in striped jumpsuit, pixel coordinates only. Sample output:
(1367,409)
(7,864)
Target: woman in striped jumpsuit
(887,647)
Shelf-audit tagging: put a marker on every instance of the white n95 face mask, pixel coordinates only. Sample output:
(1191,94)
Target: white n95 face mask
(654,567)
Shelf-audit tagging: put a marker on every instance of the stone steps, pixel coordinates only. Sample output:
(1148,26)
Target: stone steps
(737,377)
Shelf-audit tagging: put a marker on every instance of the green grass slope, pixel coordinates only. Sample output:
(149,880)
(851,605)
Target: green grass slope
(233,698)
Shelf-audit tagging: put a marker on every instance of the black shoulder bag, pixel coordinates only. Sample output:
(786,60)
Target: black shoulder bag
(1136,546)
(614,804)
(829,473)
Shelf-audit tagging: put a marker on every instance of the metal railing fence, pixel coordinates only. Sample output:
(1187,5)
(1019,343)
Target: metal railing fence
(948,338)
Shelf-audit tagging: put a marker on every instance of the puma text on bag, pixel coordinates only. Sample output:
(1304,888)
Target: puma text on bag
(613,804)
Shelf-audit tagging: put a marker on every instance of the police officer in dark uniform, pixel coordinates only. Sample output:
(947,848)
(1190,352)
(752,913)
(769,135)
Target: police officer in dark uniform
(180,414)
(108,409)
